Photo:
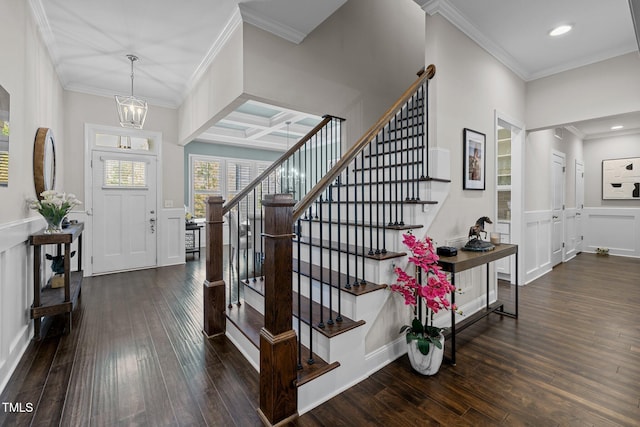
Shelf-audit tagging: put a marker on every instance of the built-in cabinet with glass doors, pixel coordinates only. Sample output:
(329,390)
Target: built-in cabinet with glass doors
(503,172)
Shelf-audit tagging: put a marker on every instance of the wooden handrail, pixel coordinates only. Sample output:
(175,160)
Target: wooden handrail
(361,144)
(238,197)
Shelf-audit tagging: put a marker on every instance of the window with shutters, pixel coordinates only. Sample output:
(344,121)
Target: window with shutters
(226,177)
(124,174)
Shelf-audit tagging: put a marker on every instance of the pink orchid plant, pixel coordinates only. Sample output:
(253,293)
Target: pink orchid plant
(431,286)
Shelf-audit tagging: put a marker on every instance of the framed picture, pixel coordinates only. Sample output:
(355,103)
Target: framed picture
(475,160)
(621,179)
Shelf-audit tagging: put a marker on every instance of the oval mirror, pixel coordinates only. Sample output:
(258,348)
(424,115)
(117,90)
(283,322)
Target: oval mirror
(44,161)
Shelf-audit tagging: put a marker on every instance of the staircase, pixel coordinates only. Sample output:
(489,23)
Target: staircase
(306,300)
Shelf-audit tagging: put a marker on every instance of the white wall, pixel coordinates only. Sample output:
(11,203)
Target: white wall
(537,217)
(597,150)
(590,92)
(353,65)
(220,86)
(468,87)
(612,224)
(27,73)
(538,148)
(82,108)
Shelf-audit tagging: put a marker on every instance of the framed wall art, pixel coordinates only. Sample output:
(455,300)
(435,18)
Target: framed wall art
(475,160)
(621,179)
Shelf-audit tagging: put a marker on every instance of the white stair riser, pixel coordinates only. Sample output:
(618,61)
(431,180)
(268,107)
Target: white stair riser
(348,301)
(332,211)
(382,175)
(393,241)
(375,270)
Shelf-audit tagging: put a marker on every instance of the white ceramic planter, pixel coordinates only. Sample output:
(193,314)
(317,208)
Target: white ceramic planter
(426,364)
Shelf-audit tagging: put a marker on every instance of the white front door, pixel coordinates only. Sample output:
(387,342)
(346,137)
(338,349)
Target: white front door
(579,204)
(124,211)
(557,207)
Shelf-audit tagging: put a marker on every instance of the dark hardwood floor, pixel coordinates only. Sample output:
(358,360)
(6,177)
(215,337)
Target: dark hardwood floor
(136,356)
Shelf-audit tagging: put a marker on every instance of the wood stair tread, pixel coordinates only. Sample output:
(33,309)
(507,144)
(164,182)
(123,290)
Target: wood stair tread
(250,322)
(329,330)
(314,271)
(350,249)
(366,224)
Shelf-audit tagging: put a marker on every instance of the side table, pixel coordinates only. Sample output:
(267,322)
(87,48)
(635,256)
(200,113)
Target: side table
(191,244)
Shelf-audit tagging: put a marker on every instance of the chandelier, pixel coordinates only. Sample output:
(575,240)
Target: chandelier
(132,110)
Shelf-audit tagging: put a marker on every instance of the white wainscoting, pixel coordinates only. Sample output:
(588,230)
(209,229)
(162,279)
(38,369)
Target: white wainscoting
(537,244)
(570,234)
(16,292)
(617,229)
(171,237)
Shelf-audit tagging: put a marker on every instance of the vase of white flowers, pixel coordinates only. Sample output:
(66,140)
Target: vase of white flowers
(54,207)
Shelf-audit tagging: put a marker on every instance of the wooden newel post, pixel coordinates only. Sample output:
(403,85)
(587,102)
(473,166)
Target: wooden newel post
(278,349)
(214,287)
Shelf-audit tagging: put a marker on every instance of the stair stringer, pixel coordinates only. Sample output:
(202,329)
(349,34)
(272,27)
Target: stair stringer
(357,359)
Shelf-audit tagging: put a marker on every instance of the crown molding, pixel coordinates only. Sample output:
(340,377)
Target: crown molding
(232,24)
(609,54)
(451,14)
(574,130)
(612,134)
(37,10)
(277,28)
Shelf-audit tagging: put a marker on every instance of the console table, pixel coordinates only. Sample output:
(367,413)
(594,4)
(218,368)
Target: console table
(465,260)
(192,245)
(48,301)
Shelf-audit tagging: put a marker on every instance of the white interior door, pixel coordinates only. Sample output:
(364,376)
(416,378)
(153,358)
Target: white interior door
(557,207)
(579,204)
(124,211)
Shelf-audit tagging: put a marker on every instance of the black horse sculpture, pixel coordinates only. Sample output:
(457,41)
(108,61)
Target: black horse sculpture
(57,262)
(475,230)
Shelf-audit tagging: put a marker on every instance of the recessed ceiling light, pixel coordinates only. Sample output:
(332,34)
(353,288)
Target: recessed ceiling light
(560,30)
(616,127)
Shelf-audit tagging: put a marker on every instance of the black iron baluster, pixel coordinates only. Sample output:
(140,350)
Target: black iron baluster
(310,361)
(377,183)
(318,202)
(299,298)
(395,166)
(425,136)
(229,263)
(362,189)
(402,166)
(356,282)
(339,225)
(348,229)
(411,134)
(321,249)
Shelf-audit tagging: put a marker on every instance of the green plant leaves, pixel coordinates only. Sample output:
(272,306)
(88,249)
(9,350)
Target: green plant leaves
(423,346)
